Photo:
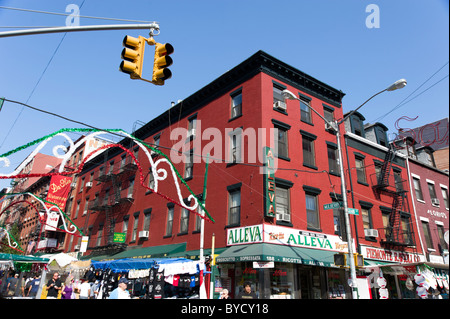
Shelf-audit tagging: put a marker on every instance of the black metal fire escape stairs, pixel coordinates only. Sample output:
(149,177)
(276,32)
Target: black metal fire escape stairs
(397,236)
(113,196)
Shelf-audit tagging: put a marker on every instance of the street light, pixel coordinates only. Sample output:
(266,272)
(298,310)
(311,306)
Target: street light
(288,95)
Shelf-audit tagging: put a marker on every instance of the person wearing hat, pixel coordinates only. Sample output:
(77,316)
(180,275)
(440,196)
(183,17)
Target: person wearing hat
(121,291)
(247,293)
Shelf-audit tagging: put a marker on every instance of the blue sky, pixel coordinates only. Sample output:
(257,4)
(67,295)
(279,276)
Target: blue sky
(326,39)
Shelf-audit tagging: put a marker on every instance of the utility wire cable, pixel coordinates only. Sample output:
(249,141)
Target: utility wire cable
(403,101)
(67,14)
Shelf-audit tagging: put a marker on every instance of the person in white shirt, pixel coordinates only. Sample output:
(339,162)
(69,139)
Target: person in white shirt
(121,291)
(85,289)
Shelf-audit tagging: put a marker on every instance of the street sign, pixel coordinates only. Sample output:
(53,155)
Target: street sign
(353,211)
(332,205)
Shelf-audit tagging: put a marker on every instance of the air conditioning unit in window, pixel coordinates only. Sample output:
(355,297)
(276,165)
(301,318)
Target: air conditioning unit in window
(280,105)
(77,247)
(371,233)
(143,234)
(435,201)
(89,184)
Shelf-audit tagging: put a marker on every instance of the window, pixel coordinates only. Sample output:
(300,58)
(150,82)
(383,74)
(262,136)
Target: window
(432,190)
(427,234)
(445,196)
(236,104)
(328,114)
(189,165)
(441,232)
(332,159)
(125,224)
(151,180)
(135,227)
(169,225)
(234,207)
(378,166)
(385,216)
(278,99)
(283,211)
(381,136)
(282,141)
(312,212)
(309,159)
(99,235)
(398,180)
(305,110)
(184,221)
(147,215)
(235,146)
(77,210)
(357,126)
(130,188)
(82,184)
(417,188)
(111,167)
(312,207)
(192,125)
(360,169)
(406,228)
(365,212)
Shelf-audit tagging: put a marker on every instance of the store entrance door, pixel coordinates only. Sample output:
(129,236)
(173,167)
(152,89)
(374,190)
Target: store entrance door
(304,278)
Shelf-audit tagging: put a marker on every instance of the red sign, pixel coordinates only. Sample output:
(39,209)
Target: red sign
(58,191)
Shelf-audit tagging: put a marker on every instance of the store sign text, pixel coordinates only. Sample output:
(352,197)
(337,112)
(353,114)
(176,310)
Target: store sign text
(391,255)
(245,235)
(307,241)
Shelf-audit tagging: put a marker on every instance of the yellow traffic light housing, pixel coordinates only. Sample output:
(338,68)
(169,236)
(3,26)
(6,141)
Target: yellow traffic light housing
(133,56)
(340,259)
(359,260)
(161,61)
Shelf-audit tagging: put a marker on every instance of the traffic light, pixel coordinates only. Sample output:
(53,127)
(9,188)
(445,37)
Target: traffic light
(359,260)
(161,62)
(340,259)
(133,56)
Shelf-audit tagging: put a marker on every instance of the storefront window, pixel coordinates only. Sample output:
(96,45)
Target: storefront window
(337,288)
(282,282)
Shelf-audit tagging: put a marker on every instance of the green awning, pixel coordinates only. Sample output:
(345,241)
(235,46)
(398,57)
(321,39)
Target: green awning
(277,253)
(20,258)
(151,252)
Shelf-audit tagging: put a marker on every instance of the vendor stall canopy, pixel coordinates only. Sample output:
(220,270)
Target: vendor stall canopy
(127,264)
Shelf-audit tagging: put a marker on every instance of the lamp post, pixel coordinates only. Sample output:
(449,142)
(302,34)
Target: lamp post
(335,126)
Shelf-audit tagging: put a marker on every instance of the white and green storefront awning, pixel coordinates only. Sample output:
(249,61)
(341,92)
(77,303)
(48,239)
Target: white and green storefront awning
(277,253)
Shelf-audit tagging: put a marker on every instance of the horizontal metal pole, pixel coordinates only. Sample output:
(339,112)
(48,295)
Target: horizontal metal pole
(154,26)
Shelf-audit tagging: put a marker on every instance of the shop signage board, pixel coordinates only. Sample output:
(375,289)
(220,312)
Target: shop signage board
(306,239)
(119,237)
(245,235)
(269,182)
(394,256)
(284,236)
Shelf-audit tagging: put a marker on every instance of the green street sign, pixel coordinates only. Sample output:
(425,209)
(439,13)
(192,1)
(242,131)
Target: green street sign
(353,211)
(1,102)
(332,205)
(119,237)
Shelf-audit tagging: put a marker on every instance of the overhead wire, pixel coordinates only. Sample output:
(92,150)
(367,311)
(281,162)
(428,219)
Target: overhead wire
(403,102)
(69,14)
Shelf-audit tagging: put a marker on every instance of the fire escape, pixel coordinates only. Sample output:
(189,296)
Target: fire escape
(115,197)
(398,234)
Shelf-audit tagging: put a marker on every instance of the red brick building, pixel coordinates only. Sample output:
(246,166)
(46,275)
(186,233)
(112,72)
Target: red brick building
(274,227)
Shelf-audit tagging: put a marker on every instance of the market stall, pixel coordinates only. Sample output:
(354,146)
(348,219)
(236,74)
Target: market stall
(150,278)
(25,266)
(423,280)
